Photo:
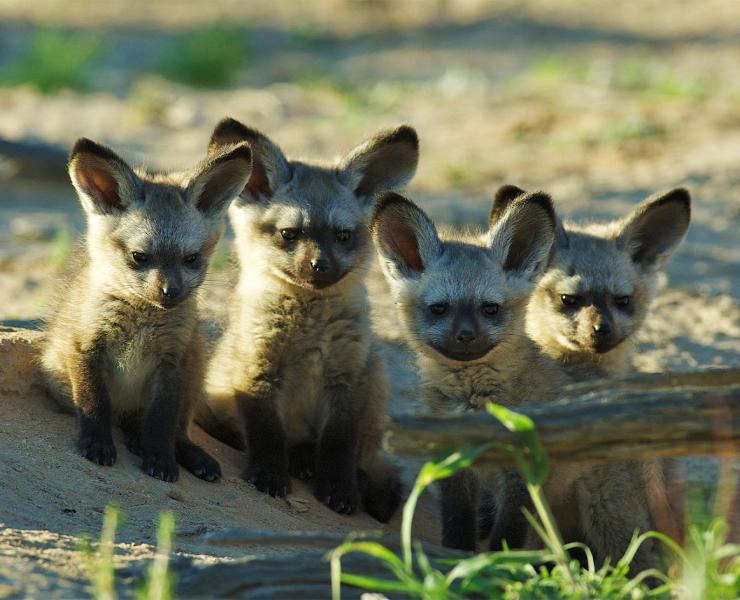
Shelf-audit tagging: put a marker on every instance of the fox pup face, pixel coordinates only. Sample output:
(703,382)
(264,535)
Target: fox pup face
(598,288)
(460,298)
(151,236)
(311,222)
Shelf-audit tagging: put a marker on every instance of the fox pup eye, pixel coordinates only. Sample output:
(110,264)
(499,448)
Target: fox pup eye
(622,301)
(438,309)
(289,234)
(343,235)
(192,258)
(140,258)
(490,309)
(568,299)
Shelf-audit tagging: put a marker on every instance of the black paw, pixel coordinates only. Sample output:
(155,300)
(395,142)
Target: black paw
(380,498)
(160,466)
(268,479)
(98,449)
(341,494)
(302,461)
(199,463)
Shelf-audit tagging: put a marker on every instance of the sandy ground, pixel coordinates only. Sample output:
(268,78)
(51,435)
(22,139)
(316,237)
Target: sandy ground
(51,496)
(599,107)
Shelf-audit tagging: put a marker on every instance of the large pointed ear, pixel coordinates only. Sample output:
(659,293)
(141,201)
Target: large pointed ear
(405,237)
(220,178)
(656,227)
(505,195)
(384,163)
(524,235)
(270,168)
(104,182)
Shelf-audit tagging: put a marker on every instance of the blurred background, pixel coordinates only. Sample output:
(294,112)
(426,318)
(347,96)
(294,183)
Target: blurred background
(598,103)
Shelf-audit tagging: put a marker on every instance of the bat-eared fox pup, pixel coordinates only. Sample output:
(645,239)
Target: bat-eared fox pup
(124,346)
(463,300)
(595,295)
(593,298)
(296,379)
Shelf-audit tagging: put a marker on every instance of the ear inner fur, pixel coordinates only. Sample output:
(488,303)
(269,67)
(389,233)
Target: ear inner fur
(405,246)
(657,226)
(386,161)
(404,232)
(96,182)
(533,211)
(222,178)
(270,168)
(99,173)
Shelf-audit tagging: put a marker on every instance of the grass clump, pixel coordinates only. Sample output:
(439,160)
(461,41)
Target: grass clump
(54,60)
(99,564)
(207,57)
(158,584)
(709,568)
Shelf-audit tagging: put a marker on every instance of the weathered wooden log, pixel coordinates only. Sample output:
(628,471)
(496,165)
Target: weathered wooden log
(278,540)
(301,572)
(295,575)
(639,417)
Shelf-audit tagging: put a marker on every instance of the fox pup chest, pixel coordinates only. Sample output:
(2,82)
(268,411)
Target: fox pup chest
(134,356)
(465,388)
(331,354)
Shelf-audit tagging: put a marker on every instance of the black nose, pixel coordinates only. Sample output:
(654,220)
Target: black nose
(602,329)
(170,292)
(320,265)
(465,336)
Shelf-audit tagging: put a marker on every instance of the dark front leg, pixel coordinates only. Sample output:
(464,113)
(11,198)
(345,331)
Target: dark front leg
(159,428)
(130,424)
(460,511)
(510,524)
(336,467)
(268,459)
(196,460)
(90,395)
(302,460)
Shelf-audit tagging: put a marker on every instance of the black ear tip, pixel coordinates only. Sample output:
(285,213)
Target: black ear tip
(407,134)
(678,197)
(228,130)
(507,193)
(544,201)
(87,146)
(386,201)
(681,195)
(83,145)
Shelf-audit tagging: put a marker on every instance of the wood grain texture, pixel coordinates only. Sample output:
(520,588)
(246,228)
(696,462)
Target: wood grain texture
(639,417)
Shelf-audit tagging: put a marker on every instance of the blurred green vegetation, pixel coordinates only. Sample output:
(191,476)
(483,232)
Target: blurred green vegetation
(61,244)
(206,57)
(54,60)
(648,79)
(158,582)
(463,175)
(307,36)
(221,260)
